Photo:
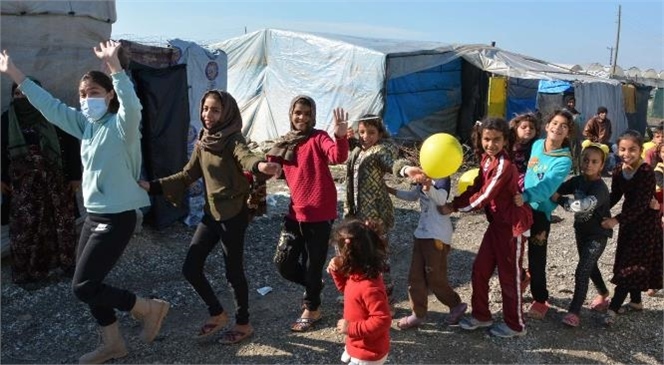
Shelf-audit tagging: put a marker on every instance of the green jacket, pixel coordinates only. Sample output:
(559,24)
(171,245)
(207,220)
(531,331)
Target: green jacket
(373,200)
(226,186)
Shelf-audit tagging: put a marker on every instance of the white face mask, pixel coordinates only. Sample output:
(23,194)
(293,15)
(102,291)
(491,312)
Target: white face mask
(94,108)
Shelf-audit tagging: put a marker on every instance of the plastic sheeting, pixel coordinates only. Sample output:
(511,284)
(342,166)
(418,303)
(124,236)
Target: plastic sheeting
(594,95)
(497,96)
(103,10)
(165,124)
(521,97)
(205,71)
(657,110)
(55,49)
(422,95)
(269,67)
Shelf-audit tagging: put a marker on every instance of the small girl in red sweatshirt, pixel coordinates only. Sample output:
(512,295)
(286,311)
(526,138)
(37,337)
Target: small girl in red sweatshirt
(357,273)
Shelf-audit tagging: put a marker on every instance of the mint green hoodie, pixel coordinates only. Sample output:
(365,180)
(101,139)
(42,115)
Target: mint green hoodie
(110,147)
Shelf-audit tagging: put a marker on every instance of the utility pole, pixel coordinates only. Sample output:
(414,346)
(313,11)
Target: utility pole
(615,58)
(245,29)
(610,55)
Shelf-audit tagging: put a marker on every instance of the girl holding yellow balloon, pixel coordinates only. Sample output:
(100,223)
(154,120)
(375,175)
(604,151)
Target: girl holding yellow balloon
(502,245)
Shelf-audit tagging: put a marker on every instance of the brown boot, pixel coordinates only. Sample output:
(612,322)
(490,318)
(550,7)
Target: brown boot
(151,312)
(112,346)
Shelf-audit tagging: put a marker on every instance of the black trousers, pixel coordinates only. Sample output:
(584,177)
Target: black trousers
(103,240)
(231,232)
(301,255)
(537,245)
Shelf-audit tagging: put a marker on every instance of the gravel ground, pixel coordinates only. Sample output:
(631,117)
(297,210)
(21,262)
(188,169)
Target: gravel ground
(49,325)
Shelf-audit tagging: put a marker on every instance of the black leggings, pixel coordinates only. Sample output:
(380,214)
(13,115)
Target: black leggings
(620,294)
(537,255)
(103,240)
(586,270)
(231,233)
(301,255)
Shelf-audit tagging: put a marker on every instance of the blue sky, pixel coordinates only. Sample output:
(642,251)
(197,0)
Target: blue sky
(570,32)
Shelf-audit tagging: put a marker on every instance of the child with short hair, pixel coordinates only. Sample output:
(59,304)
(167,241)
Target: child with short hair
(357,273)
(590,206)
(428,266)
(550,163)
(638,259)
(502,245)
(305,154)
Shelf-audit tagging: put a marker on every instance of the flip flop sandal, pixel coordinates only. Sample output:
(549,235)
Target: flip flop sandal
(304,324)
(231,337)
(210,329)
(571,320)
(600,304)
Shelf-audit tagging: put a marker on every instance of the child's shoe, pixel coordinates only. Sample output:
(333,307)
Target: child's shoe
(470,323)
(630,307)
(503,330)
(571,320)
(409,322)
(455,314)
(600,303)
(538,310)
(609,317)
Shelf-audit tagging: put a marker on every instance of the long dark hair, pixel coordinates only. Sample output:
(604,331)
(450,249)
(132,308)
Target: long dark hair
(492,123)
(104,81)
(362,249)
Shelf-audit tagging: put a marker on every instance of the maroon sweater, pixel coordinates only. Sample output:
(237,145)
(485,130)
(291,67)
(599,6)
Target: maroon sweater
(313,193)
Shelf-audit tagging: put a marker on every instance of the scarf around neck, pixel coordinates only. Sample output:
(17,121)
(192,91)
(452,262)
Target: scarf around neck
(284,147)
(215,138)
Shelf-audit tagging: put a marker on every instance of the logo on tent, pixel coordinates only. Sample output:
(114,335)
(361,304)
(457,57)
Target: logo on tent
(212,70)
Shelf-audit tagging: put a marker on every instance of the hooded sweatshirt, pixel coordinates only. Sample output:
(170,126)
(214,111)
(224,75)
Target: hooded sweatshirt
(546,172)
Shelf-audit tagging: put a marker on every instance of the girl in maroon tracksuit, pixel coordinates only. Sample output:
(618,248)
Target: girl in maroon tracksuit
(502,245)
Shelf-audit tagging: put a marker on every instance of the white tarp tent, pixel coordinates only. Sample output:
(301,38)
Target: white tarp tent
(53,41)
(416,86)
(267,68)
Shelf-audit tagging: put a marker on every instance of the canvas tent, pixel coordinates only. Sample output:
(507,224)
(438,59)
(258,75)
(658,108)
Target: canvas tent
(418,87)
(53,40)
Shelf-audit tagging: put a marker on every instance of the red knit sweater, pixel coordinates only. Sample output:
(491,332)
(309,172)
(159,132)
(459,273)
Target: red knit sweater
(368,314)
(313,193)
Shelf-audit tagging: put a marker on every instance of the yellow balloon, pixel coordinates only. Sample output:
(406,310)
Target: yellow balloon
(466,180)
(441,155)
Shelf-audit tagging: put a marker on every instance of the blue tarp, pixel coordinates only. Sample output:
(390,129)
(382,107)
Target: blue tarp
(421,94)
(553,87)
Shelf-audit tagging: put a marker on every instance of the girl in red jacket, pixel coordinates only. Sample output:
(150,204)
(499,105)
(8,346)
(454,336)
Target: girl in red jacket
(357,273)
(502,246)
(305,154)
